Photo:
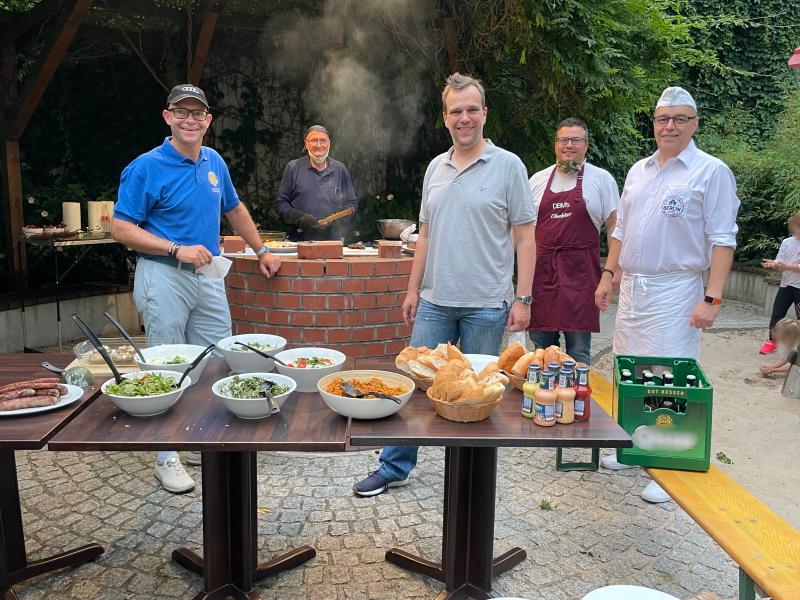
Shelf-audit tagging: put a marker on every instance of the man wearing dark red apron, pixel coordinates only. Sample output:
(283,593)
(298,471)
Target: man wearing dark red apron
(572,200)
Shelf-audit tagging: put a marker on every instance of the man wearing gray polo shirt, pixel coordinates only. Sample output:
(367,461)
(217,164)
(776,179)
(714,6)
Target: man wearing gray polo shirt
(460,288)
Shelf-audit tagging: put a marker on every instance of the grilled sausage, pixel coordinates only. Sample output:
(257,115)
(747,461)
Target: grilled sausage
(17,394)
(29,402)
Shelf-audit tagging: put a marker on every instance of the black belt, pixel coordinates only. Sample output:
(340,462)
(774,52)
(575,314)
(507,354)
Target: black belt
(171,262)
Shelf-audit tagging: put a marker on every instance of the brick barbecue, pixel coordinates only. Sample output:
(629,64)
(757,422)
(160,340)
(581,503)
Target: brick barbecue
(351,304)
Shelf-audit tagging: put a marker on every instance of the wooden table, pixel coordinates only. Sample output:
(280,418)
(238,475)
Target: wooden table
(30,432)
(199,421)
(467,564)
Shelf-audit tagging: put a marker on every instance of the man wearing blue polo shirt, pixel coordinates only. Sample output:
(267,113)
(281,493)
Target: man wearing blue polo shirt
(169,205)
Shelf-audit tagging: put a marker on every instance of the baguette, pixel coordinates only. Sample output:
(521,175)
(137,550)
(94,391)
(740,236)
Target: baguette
(431,361)
(510,356)
(454,353)
(420,370)
(488,370)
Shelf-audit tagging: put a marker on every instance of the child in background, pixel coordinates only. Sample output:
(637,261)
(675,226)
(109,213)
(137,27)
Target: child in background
(786,334)
(788,263)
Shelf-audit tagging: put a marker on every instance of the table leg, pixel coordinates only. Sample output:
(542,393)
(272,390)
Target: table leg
(14,565)
(467,565)
(230,550)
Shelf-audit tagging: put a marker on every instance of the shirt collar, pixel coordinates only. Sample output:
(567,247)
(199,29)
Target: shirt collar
(686,156)
(489,150)
(328,167)
(169,150)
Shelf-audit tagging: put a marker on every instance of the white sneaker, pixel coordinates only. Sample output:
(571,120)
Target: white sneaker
(193,458)
(173,476)
(655,493)
(611,462)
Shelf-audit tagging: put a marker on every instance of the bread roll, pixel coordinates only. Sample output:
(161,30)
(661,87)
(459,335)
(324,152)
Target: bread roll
(454,353)
(520,368)
(420,370)
(510,356)
(432,361)
(539,358)
(551,355)
(488,370)
(495,378)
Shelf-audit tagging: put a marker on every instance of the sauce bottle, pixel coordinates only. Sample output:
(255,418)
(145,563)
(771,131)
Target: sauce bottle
(565,397)
(529,390)
(571,365)
(554,367)
(545,401)
(583,393)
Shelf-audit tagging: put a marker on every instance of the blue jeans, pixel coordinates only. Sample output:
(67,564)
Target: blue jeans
(479,330)
(578,343)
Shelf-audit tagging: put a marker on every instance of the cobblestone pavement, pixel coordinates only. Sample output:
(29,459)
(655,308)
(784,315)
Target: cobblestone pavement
(597,532)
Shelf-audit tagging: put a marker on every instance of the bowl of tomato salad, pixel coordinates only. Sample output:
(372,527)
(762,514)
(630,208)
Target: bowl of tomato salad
(308,365)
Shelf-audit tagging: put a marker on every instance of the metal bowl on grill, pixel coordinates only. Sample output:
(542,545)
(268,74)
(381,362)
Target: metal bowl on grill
(392,228)
(268,236)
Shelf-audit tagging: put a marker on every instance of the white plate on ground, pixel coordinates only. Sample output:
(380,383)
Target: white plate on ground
(479,361)
(75,393)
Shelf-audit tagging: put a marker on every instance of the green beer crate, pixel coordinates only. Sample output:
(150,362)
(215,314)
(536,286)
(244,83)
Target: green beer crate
(664,438)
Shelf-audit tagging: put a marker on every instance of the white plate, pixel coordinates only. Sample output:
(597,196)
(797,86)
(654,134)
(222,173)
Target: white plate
(479,361)
(75,393)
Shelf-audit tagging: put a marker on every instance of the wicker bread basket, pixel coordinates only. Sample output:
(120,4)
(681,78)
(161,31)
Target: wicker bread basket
(463,413)
(516,381)
(422,384)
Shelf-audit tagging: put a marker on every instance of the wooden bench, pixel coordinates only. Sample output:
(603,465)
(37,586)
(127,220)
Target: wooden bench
(766,548)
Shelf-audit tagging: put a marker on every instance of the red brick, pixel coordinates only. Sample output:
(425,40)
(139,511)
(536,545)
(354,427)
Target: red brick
(363,334)
(312,268)
(352,350)
(279,284)
(340,302)
(378,284)
(397,284)
(292,334)
(337,268)
(363,301)
(256,315)
(302,286)
(394,315)
(390,249)
(311,334)
(289,268)
(314,302)
(387,332)
(235,280)
(238,313)
(302,319)
(278,317)
(264,299)
(264,328)
(362,269)
(238,297)
(257,282)
(386,300)
(353,286)
(338,336)
(396,346)
(403,330)
(326,319)
(288,301)
(355,317)
(378,349)
(372,317)
(328,286)
(404,266)
(245,265)
(323,249)
(385,267)
(245,328)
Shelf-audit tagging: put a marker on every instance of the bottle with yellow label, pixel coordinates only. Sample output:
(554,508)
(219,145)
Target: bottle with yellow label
(529,390)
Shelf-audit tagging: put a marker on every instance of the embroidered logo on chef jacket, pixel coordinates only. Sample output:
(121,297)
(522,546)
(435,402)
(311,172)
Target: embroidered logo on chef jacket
(672,207)
(213,179)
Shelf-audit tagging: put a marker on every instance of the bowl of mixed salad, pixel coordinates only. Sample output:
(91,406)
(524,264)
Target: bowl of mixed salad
(308,365)
(242,360)
(146,393)
(242,394)
(172,357)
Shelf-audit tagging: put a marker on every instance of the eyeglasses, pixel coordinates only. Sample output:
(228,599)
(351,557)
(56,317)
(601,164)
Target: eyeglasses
(182,113)
(679,120)
(563,141)
(318,142)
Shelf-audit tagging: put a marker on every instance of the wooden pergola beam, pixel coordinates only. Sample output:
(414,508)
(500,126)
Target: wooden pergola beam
(45,67)
(200,54)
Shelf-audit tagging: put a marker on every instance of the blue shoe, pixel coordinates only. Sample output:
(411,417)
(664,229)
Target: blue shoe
(375,484)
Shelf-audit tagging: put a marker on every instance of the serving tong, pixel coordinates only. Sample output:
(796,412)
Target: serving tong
(126,335)
(262,353)
(196,362)
(272,404)
(87,331)
(353,392)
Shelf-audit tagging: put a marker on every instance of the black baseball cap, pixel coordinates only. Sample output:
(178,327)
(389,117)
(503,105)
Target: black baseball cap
(184,91)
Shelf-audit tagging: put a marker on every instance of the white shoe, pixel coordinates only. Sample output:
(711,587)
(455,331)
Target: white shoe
(173,476)
(611,462)
(655,493)
(193,458)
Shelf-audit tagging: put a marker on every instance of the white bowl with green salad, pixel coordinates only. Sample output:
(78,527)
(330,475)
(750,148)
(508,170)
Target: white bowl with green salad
(309,365)
(146,393)
(242,360)
(241,394)
(172,357)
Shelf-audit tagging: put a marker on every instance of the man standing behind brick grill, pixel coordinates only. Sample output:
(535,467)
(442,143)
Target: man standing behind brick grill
(460,288)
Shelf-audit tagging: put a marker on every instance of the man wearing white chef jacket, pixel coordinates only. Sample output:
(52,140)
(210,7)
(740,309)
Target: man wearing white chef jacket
(676,219)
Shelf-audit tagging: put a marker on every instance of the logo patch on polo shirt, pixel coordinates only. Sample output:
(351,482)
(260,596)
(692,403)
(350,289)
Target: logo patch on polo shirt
(212,177)
(672,207)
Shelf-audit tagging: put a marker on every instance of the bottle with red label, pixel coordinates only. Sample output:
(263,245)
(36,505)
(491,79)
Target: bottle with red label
(582,395)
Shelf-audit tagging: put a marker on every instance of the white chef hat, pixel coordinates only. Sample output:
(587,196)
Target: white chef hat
(676,96)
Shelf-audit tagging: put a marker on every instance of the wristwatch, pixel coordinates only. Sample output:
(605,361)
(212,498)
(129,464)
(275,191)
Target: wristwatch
(263,250)
(527,300)
(713,301)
